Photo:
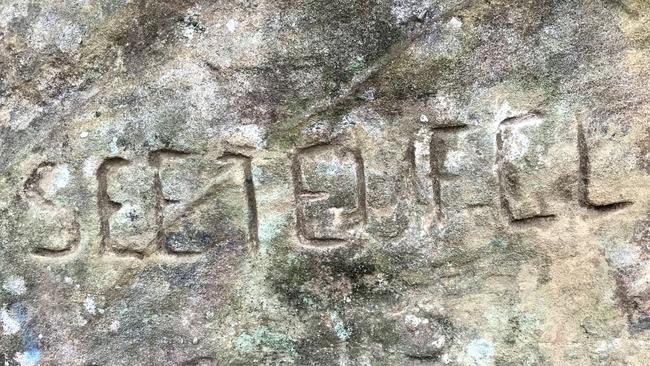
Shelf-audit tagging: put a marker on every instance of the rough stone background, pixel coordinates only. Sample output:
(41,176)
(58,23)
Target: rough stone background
(335,182)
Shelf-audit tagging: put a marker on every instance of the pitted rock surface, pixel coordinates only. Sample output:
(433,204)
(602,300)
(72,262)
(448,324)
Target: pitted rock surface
(344,182)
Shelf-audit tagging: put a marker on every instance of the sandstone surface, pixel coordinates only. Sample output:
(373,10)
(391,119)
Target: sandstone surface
(325,182)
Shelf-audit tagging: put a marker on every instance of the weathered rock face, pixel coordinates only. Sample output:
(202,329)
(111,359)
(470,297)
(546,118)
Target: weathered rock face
(345,182)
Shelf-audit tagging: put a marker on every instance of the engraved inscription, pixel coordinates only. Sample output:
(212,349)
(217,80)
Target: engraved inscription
(55,230)
(429,155)
(440,142)
(204,201)
(447,171)
(522,169)
(170,202)
(330,194)
(422,169)
(597,190)
(175,202)
(127,205)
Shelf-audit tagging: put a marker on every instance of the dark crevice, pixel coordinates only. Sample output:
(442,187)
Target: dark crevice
(361,186)
(533,219)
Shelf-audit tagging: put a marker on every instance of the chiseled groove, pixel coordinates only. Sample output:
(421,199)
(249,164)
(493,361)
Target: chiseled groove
(584,170)
(106,206)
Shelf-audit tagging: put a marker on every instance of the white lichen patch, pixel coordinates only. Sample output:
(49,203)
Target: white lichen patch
(516,144)
(28,358)
(622,254)
(455,23)
(604,348)
(54,179)
(113,146)
(232,25)
(89,305)
(90,166)
(478,352)
(455,161)
(61,177)
(115,326)
(339,328)
(188,33)
(10,326)
(412,321)
(15,285)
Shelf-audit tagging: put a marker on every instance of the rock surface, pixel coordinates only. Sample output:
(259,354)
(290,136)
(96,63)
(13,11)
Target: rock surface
(342,182)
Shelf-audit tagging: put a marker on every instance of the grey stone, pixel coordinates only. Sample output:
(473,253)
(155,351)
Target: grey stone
(344,182)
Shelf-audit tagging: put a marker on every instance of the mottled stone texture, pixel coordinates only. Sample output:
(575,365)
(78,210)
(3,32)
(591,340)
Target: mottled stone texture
(325,182)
